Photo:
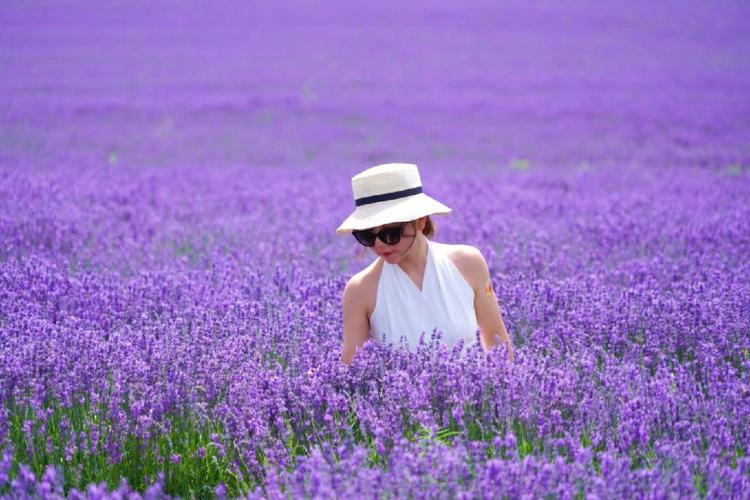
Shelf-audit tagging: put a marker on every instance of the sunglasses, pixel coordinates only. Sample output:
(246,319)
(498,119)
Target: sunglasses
(389,235)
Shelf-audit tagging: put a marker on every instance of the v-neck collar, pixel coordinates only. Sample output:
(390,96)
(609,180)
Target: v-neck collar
(424,274)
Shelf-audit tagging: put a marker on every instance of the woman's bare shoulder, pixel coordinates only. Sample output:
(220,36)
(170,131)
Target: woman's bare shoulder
(363,286)
(469,261)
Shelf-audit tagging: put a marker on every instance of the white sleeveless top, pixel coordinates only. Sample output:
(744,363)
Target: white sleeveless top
(445,303)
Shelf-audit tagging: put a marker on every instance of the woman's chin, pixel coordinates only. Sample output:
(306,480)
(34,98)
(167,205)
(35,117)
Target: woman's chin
(391,257)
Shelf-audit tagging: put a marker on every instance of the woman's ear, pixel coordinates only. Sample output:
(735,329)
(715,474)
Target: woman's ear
(421,223)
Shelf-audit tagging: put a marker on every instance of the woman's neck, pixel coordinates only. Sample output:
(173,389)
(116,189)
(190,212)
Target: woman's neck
(415,259)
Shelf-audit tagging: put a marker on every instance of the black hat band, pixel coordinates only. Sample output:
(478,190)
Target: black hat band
(387,196)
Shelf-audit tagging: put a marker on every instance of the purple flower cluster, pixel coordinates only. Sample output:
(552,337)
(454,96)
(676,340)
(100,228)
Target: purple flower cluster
(50,485)
(630,324)
(170,280)
(438,471)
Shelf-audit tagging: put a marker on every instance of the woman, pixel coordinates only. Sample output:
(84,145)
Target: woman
(414,285)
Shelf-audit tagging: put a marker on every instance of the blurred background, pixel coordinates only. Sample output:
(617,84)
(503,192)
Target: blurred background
(351,84)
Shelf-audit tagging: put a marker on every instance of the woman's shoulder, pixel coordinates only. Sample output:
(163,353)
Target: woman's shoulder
(468,260)
(462,253)
(368,274)
(364,285)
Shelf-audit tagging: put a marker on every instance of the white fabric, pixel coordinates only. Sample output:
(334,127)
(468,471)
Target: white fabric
(385,178)
(445,303)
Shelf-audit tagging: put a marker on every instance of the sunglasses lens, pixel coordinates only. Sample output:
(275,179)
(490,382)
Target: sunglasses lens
(365,238)
(390,236)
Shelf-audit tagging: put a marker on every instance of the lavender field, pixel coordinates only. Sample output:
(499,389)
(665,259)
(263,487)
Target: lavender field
(171,177)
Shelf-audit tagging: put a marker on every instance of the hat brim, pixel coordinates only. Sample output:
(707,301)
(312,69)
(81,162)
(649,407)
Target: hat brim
(387,212)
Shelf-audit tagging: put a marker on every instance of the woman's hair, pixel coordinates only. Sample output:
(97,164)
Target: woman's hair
(429,227)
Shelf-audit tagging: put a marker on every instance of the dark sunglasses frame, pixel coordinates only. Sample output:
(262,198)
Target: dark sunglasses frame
(389,235)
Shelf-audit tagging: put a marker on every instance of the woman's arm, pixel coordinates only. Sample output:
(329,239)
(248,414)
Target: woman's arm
(487,310)
(356,324)
(491,322)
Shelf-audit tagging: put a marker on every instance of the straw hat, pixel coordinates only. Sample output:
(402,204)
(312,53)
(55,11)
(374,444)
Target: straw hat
(389,193)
